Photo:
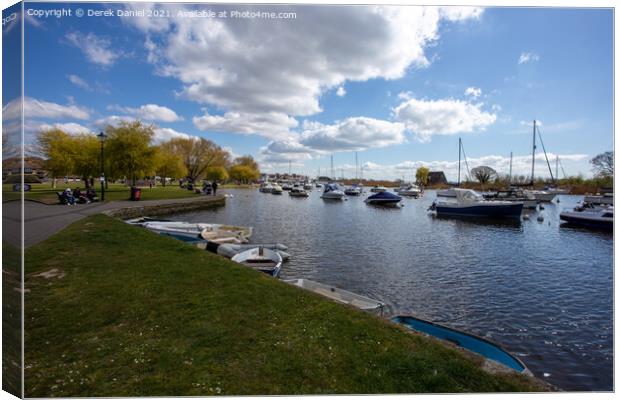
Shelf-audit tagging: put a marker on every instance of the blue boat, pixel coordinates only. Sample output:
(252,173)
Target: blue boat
(467,341)
(383,198)
(471,204)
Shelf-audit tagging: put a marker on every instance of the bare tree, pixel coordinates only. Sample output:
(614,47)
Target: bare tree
(603,164)
(483,173)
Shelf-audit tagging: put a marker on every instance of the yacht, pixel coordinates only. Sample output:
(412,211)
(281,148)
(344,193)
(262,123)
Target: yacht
(276,189)
(598,218)
(410,190)
(298,191)
(471,204)
(377,189)
(515,195)
(265,187)
(332,192)
(353,190)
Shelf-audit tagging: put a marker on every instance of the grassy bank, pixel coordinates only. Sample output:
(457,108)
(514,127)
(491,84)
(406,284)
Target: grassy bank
(113,310)
(11,319)
(44,192)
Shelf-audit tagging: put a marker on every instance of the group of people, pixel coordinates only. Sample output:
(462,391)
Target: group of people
(75,196)
(209,188)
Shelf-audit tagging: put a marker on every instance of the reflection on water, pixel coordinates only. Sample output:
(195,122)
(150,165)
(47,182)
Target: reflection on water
(543,292)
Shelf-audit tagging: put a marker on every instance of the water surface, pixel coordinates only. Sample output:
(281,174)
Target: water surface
(543,291)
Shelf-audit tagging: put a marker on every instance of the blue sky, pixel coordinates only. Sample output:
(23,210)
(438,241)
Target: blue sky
(397,85)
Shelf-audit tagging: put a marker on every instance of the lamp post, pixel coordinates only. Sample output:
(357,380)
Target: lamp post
(102,136)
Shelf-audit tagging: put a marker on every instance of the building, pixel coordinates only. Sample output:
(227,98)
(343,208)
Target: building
(437,178)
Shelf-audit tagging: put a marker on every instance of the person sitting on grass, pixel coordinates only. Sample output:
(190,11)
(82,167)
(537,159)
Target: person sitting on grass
(91,195)
(79,196)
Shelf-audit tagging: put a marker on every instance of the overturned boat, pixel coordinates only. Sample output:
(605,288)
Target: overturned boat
(339,295)
(478,345)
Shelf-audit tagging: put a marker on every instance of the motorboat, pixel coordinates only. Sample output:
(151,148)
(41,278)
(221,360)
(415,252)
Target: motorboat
(471,204)
(265,187)
(410,190)
(446,192)
(542,196)
(190,231)
(475,344)
(298,191)
(353,190)
(286,186)
(276,189)
(384,199)
(229,250)
(597,217)
(605,199)
(377,189)
(307,186)
(514,195)
(318,185)
(332,192)
(339,295)
(260,259)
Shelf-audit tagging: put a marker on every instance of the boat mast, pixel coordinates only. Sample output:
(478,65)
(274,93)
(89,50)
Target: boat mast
(332,166)
(459,179)
(557,159)
(533,151)
(356,165)
(510,173)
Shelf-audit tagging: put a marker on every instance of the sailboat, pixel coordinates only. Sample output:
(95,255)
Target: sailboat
(452,192)
(540,195)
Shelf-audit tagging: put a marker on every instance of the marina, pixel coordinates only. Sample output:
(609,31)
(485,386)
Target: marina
(549,303)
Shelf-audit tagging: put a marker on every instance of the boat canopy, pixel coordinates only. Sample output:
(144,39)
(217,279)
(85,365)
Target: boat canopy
(467,196)
(385,196)
(330,187)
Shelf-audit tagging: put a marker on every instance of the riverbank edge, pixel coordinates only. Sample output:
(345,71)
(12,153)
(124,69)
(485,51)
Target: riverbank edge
(113,237)
(138,211)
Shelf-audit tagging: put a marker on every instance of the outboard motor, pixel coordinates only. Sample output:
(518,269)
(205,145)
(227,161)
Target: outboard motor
(433,206)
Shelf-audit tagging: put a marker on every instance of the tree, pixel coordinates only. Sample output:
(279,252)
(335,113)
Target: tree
(243,173)
(129,149)
(603,164)
(168,164)
(86,160)
(198,154)
(216,174)
(58,148)
(483,173)
(421,175)
(247,161)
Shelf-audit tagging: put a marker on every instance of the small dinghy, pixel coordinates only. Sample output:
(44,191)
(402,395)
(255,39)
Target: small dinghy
(260,259)
(383,199)
(229,250)
(191,231)
(339,295)
(467,341)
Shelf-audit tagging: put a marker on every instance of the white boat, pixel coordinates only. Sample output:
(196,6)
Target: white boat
(230,250)
(409,190)
(190,231)
(339,295)
(276,189)
(471,204)
(446,193)
(514,195)
(260,259)
(605,199)
(354,190)
(597,218)
(307,186)
(298,191)
(265,187)
(287,186)
(332,192)
(541,196)
(377,189)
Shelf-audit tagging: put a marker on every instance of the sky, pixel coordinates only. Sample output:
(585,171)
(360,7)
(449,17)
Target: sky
(396,85)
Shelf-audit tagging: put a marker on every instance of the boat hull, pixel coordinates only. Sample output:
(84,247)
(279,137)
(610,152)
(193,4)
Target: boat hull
(467,341)
(574,219)
(486,211)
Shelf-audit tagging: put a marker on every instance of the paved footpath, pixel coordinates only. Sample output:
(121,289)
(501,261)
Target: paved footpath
(43,220)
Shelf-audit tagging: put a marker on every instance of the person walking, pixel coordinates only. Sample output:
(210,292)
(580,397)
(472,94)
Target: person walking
(214,186)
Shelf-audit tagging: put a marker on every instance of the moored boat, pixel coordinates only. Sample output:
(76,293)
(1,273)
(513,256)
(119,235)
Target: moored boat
(276,189)
(190,231)
(383,198)
(298,191)
(597,218)
(377,189)
(471,204)
(514,195)
(410,190)
(353,190)
(478,345)
(339,295)
(260,259)
(265,187)
(332,192)
(446,193)
(541,196)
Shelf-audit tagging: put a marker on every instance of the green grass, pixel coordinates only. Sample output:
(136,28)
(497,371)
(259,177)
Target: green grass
(135,314)
(11,319)
(44,193)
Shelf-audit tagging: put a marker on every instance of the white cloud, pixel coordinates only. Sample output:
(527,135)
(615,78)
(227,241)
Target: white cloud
(97,49)
(165,134)
(112,120)
(341,91)
(34,108)
(71,128)
(528,57)
(473,92)
(426,118)
(79,82)
(273,125)
(405,95)
(352,134)
(149,112)
(239,69)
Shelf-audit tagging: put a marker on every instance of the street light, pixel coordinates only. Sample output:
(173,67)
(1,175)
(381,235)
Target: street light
(102,136)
